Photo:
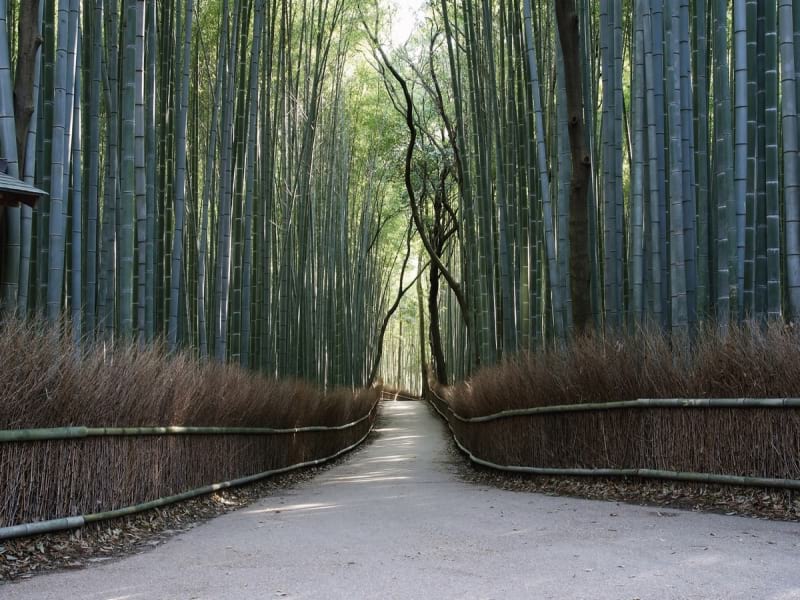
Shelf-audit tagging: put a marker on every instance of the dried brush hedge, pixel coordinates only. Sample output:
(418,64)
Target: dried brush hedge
(45,383)
(750,361)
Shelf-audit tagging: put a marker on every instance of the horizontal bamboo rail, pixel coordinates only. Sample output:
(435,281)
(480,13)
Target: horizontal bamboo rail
(65,523)
(65,433)
(79,521)
(738,480)
(628,404)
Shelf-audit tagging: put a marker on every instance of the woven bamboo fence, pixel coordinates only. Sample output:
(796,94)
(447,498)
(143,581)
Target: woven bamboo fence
(738,441)
(59,478)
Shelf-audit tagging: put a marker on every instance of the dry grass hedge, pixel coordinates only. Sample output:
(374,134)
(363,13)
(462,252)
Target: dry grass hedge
(44,382)
(748,362)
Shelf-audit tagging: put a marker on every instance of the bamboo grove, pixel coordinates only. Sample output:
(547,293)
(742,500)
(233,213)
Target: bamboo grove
(210,179)
(681,118)
(233,178)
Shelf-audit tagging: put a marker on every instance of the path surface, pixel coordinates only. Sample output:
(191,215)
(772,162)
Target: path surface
(395,522)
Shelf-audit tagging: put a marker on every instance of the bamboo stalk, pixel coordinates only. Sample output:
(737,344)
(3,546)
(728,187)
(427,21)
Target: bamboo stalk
(40,527)
(11,217)
(180,187)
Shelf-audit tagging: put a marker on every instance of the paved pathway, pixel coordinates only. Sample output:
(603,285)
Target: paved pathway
(395,522)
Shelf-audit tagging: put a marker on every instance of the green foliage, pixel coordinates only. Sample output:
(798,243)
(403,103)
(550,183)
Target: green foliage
(278,245)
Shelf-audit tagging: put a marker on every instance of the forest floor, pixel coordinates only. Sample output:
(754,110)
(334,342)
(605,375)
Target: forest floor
(398,520)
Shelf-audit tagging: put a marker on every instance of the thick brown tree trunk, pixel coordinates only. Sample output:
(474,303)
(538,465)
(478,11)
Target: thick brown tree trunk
(29,42)
(579,267)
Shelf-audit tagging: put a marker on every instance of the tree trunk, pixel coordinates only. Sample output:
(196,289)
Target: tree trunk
(29,41)
(437,351)
(580,282)
(180,187)
(423,359)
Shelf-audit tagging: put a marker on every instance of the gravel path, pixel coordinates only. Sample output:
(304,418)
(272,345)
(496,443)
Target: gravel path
(396,522)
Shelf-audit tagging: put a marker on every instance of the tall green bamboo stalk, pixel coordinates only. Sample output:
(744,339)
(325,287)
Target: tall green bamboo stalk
(10,217)
(55,279)
(180,184)
(787,39)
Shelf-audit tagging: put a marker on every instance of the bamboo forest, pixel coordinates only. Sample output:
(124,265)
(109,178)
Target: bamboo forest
(230,176)
(569,228)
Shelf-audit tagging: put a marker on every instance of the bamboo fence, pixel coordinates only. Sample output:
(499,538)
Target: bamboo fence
(513,440)
(133,469)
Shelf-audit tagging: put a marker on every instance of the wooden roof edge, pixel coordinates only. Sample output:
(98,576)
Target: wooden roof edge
(15,186)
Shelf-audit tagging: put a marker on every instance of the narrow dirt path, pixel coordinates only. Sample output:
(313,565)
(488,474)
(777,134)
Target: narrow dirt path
(395,522)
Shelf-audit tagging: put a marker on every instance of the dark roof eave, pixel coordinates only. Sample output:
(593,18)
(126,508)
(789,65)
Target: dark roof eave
(14,186)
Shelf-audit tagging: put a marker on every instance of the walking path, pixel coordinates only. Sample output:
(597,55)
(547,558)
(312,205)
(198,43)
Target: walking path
(395,522)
